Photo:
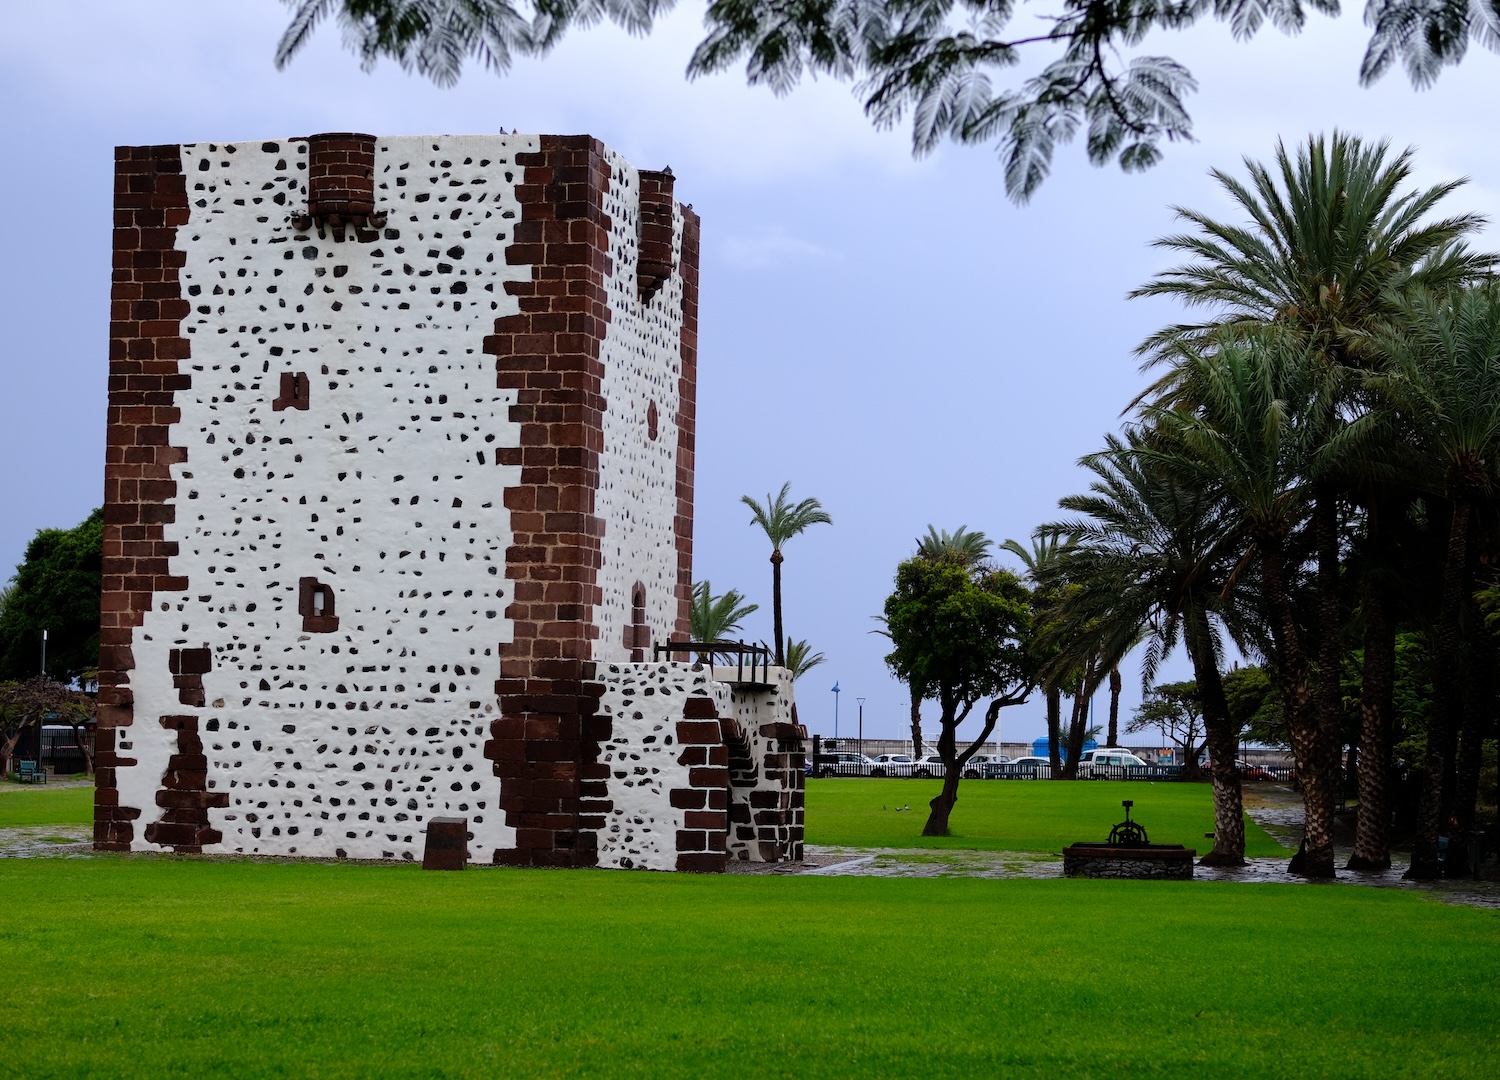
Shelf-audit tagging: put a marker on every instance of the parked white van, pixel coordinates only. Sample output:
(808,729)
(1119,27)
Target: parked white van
(1106,763)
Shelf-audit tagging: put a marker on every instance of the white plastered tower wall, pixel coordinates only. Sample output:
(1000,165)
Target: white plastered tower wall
(637,497)
(399,489)
(386,488)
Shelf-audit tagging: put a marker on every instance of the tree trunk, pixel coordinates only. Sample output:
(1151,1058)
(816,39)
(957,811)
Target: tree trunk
(80,736)
(1444,717)
(1054,731)
(8,749)
(1316,859)
(1114,706)
(953,762)
(1329,705)
(916,723)
(776,606)
(1074,743)
(1479,706)
(942,804)
(1372,839)
(1222,740)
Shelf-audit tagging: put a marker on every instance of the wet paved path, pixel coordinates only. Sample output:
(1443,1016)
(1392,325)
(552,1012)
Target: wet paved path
(1276,809)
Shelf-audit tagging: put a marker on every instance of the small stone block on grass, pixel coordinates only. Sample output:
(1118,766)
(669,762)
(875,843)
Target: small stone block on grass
(447,843)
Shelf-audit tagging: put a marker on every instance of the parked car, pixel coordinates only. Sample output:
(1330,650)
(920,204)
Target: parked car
(1246,770)
(989,764)
(1026,768)
(892,765)
(842,763)
(1106,764)
(932,765)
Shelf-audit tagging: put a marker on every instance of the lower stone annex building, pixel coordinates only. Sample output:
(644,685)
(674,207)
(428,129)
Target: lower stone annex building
(399,498)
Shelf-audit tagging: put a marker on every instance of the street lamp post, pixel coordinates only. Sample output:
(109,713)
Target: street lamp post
(861,726)
(835,712)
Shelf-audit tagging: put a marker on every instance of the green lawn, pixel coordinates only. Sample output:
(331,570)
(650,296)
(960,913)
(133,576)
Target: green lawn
(1014,815)
(45,805)
(157,966)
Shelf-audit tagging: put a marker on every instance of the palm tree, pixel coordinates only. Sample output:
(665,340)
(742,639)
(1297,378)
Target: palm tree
(1444,382)
(961,546)
(1040,561)
(713,618)
(800,659)
(781,521)
(1150,556)
(1334,239)
(1257,432)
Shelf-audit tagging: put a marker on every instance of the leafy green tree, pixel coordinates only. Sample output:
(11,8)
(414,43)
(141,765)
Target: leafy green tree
(28,703)
(56,588)
(961,632)
(781,521)
(714,618)
(935,61)
(800,658)
(963,548)
(1254,712)
(1174,710)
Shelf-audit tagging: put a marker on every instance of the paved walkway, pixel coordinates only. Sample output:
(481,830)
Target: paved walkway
(1275,808)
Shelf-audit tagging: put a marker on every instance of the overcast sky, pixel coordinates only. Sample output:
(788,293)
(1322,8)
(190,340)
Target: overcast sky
(893,336)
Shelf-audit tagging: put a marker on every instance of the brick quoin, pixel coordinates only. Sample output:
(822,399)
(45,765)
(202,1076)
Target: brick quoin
(703,843)
(545,744)
(184,795)
(146,345)
(687,419)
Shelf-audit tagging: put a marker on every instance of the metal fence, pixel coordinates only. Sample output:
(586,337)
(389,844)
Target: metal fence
(836,765)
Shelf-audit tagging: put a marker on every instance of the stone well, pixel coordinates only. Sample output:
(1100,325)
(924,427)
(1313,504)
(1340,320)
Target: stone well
(1169,861)
(1128,853)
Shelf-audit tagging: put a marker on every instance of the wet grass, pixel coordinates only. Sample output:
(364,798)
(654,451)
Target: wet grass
(157,966)
(1013,815)
(44,804)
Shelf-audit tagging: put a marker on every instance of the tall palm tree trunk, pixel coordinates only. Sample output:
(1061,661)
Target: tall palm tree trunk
(1330,696)
(1078,725)
(1372,839)
(1054,731)
(1479,707)
(776,606)
(1316,857)
(1115,687)
(1229,805)
(1443,721)
(916,722)
(1077,728)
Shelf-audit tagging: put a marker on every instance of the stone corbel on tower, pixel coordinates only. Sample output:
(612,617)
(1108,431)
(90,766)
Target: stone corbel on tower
(655,264)
(341,185)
